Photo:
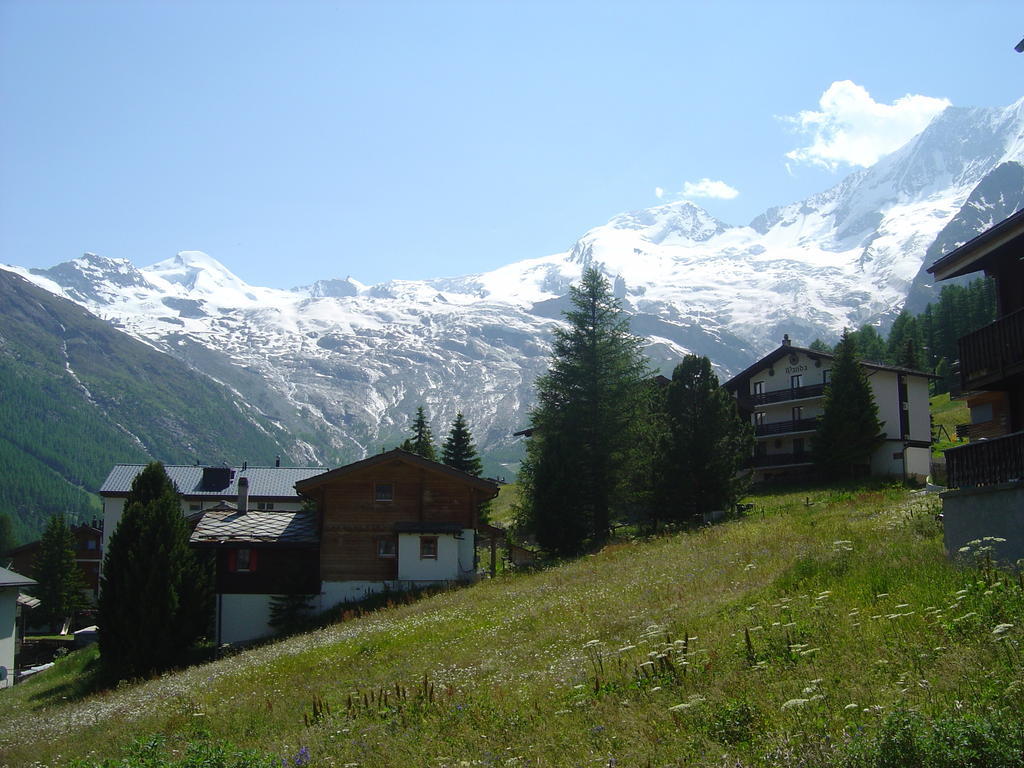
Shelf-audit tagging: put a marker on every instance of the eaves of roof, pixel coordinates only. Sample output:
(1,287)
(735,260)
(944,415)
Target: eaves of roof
(970,256)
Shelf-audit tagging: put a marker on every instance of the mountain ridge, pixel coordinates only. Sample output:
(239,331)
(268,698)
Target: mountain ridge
(346,364)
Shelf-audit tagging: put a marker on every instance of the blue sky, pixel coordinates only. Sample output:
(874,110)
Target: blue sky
(302,140)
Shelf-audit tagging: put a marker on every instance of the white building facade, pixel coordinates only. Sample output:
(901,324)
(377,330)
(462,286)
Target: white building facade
(783,395)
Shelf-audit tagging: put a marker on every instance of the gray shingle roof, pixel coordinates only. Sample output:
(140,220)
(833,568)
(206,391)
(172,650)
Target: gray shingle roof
(257,528)
(264,482)
(12,579)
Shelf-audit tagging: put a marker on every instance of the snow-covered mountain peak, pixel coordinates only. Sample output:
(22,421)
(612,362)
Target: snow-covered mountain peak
(202,277)
(675,222)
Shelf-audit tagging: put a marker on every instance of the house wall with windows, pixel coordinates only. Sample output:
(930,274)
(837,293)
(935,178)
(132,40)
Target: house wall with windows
(393,521)
(783,395)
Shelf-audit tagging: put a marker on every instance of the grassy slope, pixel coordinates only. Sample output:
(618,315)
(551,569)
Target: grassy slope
(847,601)
(948,413)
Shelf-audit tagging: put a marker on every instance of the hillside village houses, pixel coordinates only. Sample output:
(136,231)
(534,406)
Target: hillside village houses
(986,476)
(392,521)
(783,394)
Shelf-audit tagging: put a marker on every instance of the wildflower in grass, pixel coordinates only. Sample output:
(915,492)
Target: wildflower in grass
(693,701)
(794,704)
(1002,629)
(851,706)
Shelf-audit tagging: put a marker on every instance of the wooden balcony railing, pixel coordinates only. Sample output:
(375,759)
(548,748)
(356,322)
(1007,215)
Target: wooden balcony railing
(988,353)
(986,462)
(784,427)
(780,459)
(793,393)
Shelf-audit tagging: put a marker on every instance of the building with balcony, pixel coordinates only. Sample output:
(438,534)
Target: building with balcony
(783,394)
(986,476)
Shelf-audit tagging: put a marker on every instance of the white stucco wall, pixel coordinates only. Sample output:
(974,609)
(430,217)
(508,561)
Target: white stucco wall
(454,558)
(8,608)
(241,618)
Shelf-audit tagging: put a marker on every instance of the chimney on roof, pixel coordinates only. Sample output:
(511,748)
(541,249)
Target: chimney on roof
(785,340)
(277,463)
(243,494)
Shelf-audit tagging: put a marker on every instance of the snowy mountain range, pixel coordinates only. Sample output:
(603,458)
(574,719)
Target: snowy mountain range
(342,366)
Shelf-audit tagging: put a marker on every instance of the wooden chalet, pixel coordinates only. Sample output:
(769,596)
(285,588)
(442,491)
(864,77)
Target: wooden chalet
(986,476)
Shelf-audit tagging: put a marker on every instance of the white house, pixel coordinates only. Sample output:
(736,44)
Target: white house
(10,584)
(783,395)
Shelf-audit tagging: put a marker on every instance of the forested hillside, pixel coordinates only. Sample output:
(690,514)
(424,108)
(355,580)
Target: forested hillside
(77,396)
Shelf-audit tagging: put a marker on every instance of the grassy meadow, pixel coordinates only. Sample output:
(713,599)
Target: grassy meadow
(947,413)
(824,628)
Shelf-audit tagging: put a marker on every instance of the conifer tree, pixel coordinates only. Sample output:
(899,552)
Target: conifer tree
(704,445)
(155,593)
(589,407)
(459,450)
(848,430)
(60,588)
(7,541)
(422,441)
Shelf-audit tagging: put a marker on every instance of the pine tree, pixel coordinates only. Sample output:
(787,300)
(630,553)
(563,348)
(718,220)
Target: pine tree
(705,444)
(61,585)
(7,540)
(422,441)
(459,451)
(820,346)
(848,430)
(589,407)
(154,595)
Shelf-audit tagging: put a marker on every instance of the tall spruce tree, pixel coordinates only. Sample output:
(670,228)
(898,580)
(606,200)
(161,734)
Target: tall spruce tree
(7,540)
(155,593)
(589,407)
(422,441)
(459,450)
(60,588)
(704,445)
(848,430)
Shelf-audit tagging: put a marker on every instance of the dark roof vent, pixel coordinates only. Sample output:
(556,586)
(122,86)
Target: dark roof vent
(215,478)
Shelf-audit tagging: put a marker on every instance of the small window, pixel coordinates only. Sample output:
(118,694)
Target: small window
(387,548)
(797,381)
(265,506)
(826,376)
(383,492)
(798,412)
(759,418)
(90,544)
(243,560)
(428,547)
(758,387)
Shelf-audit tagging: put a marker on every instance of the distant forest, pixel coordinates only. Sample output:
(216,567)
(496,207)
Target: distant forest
(927,341)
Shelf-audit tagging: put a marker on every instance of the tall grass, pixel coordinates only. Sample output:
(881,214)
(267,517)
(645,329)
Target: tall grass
(825,628)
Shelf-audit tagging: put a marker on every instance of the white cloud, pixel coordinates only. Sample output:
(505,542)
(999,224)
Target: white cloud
(709,188)
(659,192)
(854,129)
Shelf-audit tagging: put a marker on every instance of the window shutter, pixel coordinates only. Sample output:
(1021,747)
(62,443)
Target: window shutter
(232,563)
(253,557)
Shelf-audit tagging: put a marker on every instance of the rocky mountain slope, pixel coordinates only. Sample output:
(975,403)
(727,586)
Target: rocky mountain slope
(77,396)
(341,366)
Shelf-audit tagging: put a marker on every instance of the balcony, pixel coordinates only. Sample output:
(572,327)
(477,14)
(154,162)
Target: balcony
(993,352)
(784,395)
(780,460)
(986,462)
(785,427)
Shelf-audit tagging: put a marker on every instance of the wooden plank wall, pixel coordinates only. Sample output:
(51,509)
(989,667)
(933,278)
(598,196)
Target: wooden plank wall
(353,520)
